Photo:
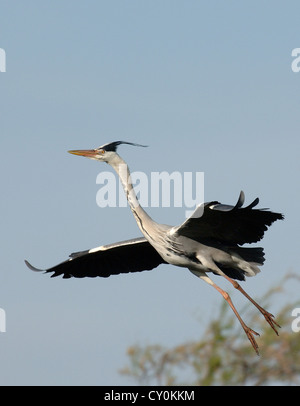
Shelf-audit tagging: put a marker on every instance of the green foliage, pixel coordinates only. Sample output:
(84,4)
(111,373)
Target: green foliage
(224,356)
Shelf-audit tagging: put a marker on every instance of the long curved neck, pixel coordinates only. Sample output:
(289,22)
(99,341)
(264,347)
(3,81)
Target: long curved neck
(143,220)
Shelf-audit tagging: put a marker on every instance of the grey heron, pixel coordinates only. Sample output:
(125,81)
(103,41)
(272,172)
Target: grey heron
(209,241)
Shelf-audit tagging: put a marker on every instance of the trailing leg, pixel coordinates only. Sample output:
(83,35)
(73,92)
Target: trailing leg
(249,332)
(268,316)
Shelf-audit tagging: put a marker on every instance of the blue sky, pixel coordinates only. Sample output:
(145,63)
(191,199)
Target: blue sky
(209,87)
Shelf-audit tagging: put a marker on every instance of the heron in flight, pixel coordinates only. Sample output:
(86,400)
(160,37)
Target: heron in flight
(209,241)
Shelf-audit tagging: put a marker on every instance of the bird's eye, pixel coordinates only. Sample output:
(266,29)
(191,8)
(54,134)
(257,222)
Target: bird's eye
(102,151)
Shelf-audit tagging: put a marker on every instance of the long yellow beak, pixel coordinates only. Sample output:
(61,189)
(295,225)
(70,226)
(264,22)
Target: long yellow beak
(89,153)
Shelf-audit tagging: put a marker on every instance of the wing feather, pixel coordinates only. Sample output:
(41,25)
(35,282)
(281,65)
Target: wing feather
(228,224)
(127,256)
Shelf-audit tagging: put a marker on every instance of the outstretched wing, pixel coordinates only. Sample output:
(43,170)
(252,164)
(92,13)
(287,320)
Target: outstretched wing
(127,256)
(228,224)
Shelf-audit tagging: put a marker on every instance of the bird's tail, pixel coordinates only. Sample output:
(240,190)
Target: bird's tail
(246,262)
(255,255)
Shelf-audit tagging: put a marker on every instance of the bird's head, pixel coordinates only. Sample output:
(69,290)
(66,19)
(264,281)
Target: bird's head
(105,153)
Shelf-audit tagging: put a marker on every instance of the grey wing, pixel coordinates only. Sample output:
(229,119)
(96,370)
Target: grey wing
(228,224)
(126,256)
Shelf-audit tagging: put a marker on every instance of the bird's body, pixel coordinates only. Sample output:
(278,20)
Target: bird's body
(208,241)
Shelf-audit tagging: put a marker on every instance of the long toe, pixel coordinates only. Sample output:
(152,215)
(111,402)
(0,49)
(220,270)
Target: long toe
(270,319)
(250,334)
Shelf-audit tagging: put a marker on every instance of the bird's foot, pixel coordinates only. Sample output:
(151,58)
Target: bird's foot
(270,319)
(250,334)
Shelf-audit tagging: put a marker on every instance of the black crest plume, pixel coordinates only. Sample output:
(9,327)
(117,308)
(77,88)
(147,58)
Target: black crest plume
(112,146)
